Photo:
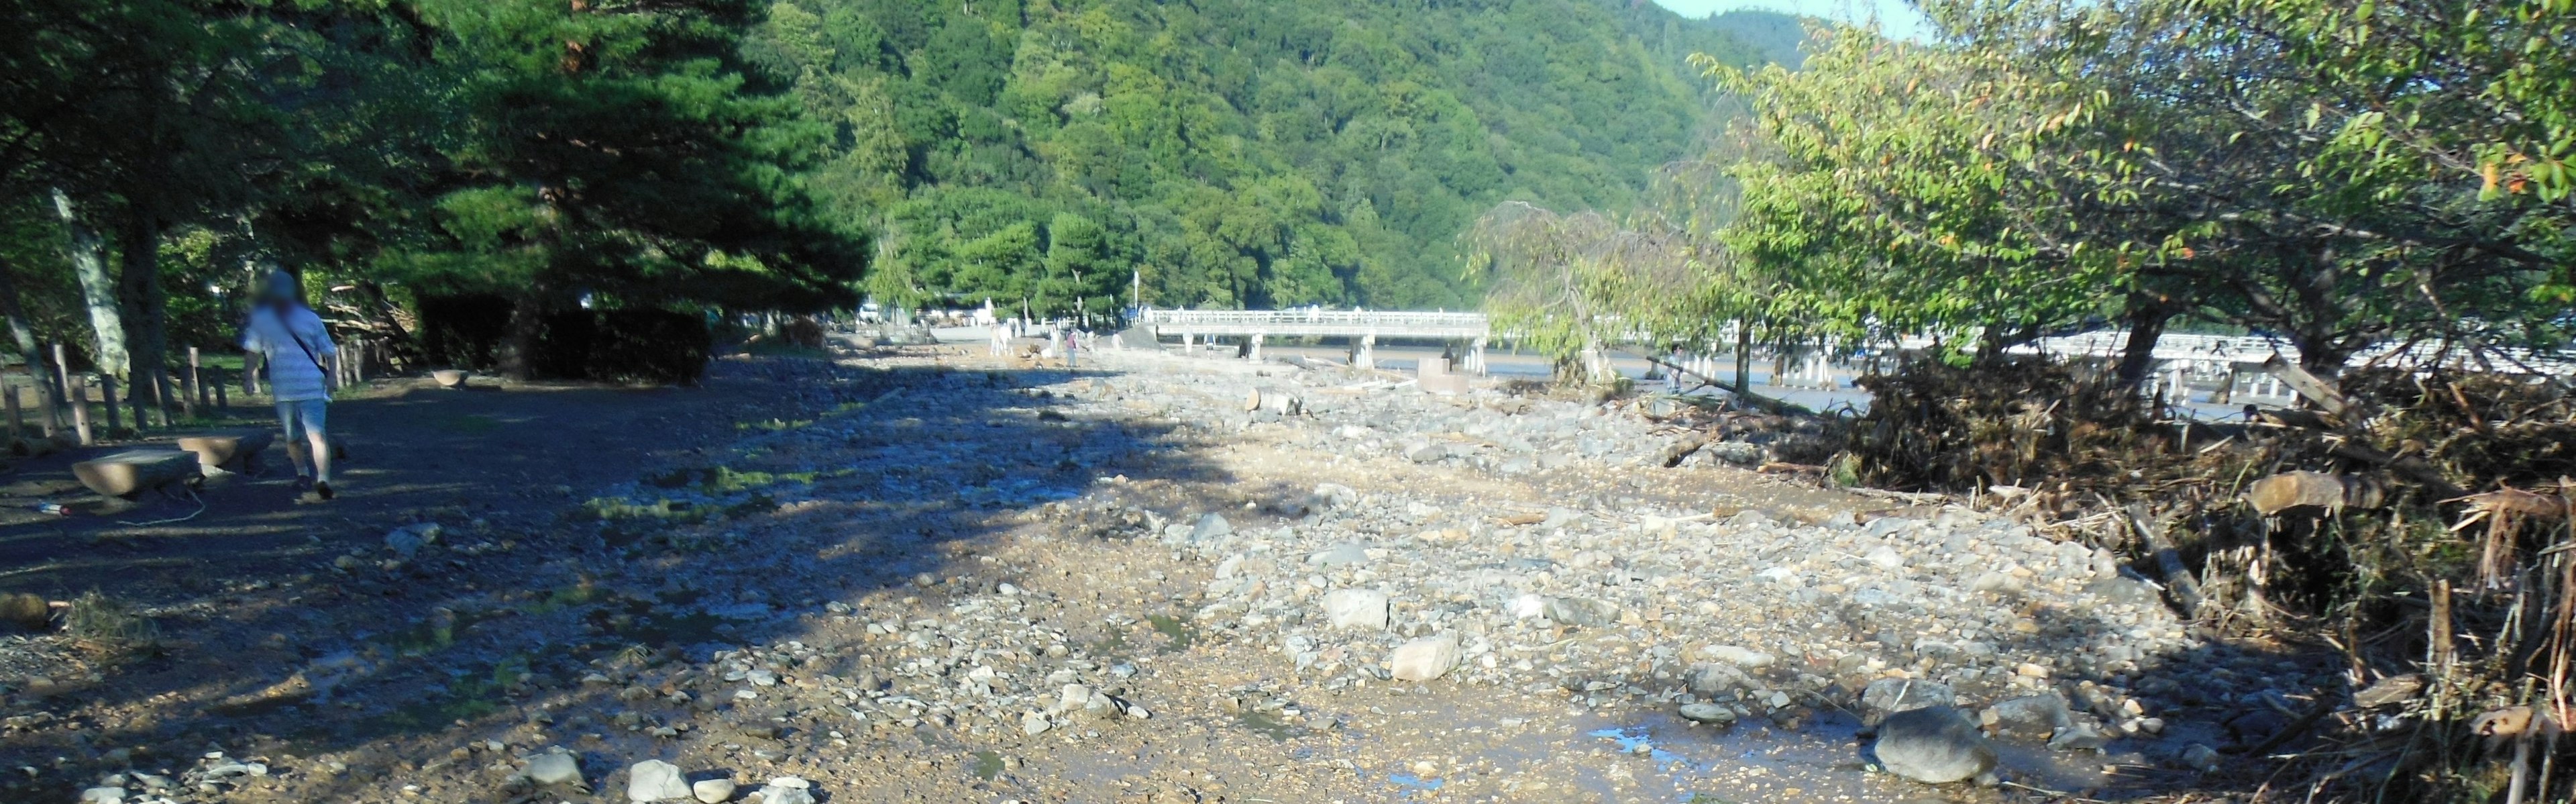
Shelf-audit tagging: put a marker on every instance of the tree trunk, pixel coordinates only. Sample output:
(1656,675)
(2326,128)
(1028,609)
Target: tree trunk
(2146,322)
(98,293)
(1743,358)
(527,325)
(146,307)
(21,335)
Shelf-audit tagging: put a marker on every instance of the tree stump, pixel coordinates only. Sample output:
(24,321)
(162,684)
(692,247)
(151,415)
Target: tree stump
(126,473)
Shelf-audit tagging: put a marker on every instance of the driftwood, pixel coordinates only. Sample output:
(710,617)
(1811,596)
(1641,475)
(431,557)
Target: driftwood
(2331,492)
(2307,385)
(2177,578)
(226,448)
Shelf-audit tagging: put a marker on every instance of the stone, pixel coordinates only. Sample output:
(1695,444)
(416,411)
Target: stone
(655,780)
(1211,526)
(1889,696)
(2079,734)
(127,473)
(1355,608)
(2199,757)
(2392,689)
(407,540)
(787,790)
(1339,555)
(1427,452)
(1718,679)
(1336,495)
(712,791)
(1424,659)
(103,795)
(552,768)
(2036,716)
(226,448)
(1996,583)
(1735,452)
(1034,724)
(1581,611)
(1933,745)
(1885,557)
(1707,713)
(450,378)
(1746,658)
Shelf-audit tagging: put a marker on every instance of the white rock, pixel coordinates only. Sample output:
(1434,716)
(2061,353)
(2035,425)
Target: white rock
(1424,659)
(554,768)
(103,795)
(1886,557)
(1746,658)
(655,780)
(1355,608)
(787,790)
(1528,607)
(1035,723)
(712,791)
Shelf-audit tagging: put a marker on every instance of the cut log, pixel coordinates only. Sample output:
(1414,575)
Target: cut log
(2289,490)
(126,473)
(450,378)
(226,448)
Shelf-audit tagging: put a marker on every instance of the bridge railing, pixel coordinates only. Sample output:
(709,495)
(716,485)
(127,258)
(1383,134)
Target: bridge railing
(1392,319)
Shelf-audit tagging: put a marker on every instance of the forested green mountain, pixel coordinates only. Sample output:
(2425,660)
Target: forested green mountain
(1240,152)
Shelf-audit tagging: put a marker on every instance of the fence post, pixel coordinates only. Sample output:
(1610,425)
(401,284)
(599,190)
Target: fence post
(134,402)
(80,410)
(17,421)
(107,398)
(196,378)
(62,372)
(221,403)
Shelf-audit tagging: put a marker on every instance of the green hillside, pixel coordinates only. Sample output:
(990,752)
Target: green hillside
(1241,152)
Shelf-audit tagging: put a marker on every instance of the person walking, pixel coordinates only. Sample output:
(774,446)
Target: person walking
(289,340)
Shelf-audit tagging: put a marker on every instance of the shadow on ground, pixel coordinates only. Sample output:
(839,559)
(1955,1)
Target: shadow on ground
(575,531)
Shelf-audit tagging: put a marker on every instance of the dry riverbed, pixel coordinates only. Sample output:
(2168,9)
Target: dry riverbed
(1177,579)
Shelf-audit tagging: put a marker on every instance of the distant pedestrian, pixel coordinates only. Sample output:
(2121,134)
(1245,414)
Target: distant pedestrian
(289,341)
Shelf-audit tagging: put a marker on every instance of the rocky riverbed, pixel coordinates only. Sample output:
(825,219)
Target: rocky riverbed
(1170,579)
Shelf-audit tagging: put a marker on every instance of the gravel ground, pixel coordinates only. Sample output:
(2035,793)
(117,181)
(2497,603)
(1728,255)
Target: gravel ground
(1177,579)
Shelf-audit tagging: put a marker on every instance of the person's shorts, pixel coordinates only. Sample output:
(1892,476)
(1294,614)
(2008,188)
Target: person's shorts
(307,413)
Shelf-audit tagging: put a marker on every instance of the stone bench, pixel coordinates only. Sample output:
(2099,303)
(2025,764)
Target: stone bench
(227,448)
(126,473)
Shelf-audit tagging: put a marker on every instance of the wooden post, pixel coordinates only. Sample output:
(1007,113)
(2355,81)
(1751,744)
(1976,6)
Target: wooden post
(185,386)
(134,401)
(107,395)
(62,372)
(220,402)
(17,421)
(80,410)
(45,401)
(196,378)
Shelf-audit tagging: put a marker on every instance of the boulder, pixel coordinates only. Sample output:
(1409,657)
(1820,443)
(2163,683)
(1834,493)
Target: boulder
(226,448)
(1424,659)
(2036,716)
(1889,696)
(126,473)
(1933,745)
(712,791)
(554,769)
(655,780)
(1356,608)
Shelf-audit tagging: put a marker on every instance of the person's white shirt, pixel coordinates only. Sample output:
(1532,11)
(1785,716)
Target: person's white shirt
(295,346)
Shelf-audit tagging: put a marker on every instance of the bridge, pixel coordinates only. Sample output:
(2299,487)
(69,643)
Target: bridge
(2174,352)
(1364,326)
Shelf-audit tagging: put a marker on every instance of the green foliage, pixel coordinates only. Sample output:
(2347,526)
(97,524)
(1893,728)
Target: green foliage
(1238,153)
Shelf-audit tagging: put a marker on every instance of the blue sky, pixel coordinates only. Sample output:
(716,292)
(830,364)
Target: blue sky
(1898,19)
